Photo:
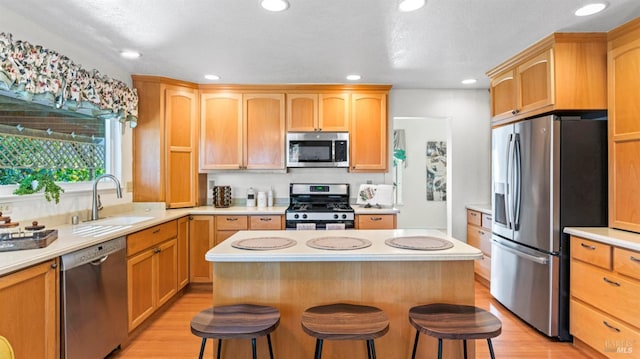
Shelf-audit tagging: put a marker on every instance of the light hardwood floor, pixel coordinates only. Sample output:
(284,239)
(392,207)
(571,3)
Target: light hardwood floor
(169,334)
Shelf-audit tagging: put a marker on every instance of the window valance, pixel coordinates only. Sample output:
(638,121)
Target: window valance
(33,73)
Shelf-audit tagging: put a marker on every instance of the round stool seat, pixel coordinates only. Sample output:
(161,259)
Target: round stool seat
(345,322)
(451,321)
(238,321)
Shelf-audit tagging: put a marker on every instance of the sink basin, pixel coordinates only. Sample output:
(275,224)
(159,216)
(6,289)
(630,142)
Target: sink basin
(96,230)
(120,220)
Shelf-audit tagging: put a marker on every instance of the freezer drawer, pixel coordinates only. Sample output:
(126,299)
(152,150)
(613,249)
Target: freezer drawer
(522,279)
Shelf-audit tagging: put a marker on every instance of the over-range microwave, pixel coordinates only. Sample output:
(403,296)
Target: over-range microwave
(317,149)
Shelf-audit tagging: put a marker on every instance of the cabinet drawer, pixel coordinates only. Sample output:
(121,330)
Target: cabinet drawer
(483,267)
(603,333)
(265,222)
(606,291)
(626,262)
(596,253)
(376,221)
(144,239)
(474,217)
(479,238)
(486,221)
(231,223)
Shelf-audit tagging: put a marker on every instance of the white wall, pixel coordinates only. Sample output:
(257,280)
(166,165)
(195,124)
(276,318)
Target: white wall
(470,170)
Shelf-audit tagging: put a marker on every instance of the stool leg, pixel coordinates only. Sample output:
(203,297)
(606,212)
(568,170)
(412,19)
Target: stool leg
(373,348)
(368,350)
(204,342)
(415,345)
(493,356)
(464,347)
(270,348)
(219,347)
(253,348)
(439,348)
(318,354)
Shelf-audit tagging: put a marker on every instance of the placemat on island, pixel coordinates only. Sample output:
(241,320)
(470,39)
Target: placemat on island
(423,243)
(338,243)
(264,243)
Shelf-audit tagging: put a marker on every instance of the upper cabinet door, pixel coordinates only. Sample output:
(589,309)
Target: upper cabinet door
(221,131)
(181,136)
(503,95)
(264,128)
(333,112)
(535,82)
(302,112)
(368,132)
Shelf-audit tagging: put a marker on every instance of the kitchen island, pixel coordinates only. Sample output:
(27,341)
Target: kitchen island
(298,276)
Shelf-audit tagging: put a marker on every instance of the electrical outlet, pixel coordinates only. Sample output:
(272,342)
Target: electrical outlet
(129,186)
(212,183)
(369,182)
(6,208)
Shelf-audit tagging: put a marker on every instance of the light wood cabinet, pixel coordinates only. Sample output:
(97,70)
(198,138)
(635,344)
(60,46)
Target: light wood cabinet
(311,112)
(226,226)
(479,236)
(201,239)
(242,130)
(264,223)
(605,297)
(368,132)
(152,270)
(375,221)
(182,242)
(30,311)
(221,132)
(624,127)
(564,71)
(165,142)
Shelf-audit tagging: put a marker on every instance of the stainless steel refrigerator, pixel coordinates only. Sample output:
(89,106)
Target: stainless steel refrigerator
(548,173)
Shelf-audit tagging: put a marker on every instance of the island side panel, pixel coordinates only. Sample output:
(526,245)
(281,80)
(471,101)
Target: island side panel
(392,286)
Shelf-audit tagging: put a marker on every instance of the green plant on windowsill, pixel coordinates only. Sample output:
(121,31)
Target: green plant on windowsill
(37,181)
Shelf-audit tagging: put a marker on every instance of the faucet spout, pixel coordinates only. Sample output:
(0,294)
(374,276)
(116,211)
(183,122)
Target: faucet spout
(95,198)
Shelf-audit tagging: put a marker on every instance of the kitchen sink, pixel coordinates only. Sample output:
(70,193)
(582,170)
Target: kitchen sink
(120,220)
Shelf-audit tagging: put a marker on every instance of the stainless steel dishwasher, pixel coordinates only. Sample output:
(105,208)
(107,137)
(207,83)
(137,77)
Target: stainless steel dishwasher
(94,300)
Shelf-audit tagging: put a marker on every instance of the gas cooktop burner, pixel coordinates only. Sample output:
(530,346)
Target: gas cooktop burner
(316,207)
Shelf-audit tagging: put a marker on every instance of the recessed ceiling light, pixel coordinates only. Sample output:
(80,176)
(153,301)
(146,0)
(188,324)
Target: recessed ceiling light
(127,54)
(353,77)
(410,5)
(590,9)
(469,81)
(274,5)
(212,77)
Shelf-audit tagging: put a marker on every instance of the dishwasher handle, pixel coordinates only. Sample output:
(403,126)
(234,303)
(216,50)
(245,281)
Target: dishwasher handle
(99,261)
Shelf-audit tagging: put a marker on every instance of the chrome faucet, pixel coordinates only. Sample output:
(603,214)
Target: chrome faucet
(96,198)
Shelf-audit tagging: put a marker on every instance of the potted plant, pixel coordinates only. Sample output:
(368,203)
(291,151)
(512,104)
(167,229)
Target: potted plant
(38,180)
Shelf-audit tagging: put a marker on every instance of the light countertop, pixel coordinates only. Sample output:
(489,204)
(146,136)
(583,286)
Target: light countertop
(614,237)
(378,251)
(480,207)
(69,240)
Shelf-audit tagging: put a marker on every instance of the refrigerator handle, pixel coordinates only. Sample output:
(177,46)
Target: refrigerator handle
(509,184)
(541,260)
(517,198)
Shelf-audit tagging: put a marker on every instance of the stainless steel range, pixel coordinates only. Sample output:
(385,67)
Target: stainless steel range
(319,206)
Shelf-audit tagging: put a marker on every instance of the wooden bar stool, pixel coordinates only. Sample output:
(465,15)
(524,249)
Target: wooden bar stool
(239,321)
(451,321)
(345,322)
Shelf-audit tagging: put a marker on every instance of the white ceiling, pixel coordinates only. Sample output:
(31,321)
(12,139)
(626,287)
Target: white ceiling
(316,41)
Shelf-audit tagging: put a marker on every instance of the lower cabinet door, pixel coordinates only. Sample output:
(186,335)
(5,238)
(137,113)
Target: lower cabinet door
(201,239)
(140,275)
(166,259)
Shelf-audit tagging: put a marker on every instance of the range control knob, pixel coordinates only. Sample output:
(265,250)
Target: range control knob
(344,216)
(335,216)
(296,216)
(304,216)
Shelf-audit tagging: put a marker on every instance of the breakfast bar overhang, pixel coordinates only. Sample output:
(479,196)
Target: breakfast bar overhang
(295,270)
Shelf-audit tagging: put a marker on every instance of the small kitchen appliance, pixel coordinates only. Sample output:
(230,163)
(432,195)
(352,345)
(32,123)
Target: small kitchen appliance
(317,149)
(319,206)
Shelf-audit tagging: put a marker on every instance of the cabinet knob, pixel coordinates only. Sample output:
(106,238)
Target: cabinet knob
(157,250)
(232,219)
(376,218)
(156,231)
(610,281)
(634,259)
(265,219)
(54,265)
(591,248)
(610,326)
